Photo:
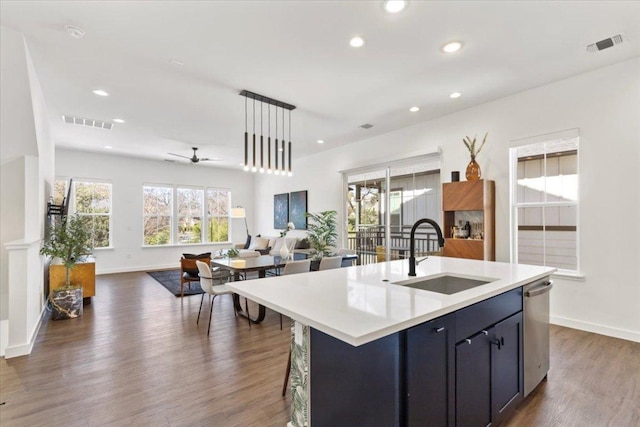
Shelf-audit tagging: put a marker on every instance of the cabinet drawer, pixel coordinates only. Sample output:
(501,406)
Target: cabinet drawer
(486,313)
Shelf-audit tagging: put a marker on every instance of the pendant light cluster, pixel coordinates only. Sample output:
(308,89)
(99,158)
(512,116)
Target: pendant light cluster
(281,153)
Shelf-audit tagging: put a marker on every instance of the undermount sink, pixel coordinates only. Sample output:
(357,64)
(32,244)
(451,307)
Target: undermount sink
(445,284)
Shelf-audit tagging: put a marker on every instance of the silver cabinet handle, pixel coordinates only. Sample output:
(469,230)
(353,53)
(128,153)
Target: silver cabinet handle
(440,329)
(539,291)
(485,332)
(468,341)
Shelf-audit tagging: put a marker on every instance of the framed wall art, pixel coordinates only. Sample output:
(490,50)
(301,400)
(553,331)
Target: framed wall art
(280,211)
(298,209)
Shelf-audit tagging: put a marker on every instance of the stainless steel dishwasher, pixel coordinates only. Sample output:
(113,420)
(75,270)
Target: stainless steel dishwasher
(536,333)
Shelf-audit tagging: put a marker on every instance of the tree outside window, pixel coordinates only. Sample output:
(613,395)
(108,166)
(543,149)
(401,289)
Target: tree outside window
(157,206)
(93,205)
(189,215)
(218,215)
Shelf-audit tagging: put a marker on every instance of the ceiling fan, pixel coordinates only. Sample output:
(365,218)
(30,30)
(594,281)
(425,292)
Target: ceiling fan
(195,158)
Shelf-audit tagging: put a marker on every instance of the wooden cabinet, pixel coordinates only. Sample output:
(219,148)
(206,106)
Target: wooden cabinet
(84,273)
(472,201)
(430,358)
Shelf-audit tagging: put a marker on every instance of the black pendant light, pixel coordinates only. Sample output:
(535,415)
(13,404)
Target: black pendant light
(290,172)
(246,138)
(275,149)
(283,166)
(261,141)
(269,143)
(280,167)
(253,169)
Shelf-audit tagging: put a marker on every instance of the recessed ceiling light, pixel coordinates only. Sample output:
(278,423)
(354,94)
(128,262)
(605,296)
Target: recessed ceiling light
(75,32)
(321,141)
(108,147)
(394,6)
(176,62)
(357,42)
(455,95)
(414,109)
(452,47)
(119,121)
(100,92)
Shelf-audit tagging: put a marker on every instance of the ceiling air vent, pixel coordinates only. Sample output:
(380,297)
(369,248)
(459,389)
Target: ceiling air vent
(605,43)
(87,122)
(366,126)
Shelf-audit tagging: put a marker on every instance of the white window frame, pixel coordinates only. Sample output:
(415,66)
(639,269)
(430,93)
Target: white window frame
(73,210)
(204,215)
(207,216)
(551,138)
(171,216)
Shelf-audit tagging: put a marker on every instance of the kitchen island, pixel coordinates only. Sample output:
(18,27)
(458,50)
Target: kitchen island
(367,351)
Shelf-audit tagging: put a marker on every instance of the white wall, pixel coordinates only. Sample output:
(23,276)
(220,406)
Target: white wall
(26,159)
(605,105)
(127,176)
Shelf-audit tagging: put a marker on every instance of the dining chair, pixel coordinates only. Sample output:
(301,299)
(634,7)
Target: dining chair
(331,262)
(189,272)
(206,283)
(293,267)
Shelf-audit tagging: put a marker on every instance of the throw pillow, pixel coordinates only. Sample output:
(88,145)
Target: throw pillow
(194,256)
(258,243)
(303,244)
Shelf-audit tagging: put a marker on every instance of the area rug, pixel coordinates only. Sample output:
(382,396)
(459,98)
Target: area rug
(170,279)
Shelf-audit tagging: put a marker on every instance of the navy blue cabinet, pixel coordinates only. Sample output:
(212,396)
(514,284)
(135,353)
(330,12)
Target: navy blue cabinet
(489,374)
(430,353)
(473,381)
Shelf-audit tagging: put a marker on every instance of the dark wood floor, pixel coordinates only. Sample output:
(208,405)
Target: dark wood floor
(137,358)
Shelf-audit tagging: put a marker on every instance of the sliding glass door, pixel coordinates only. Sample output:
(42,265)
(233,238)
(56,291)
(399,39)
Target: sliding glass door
(383,203)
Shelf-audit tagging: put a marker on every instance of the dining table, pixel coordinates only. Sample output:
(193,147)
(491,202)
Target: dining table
(239,267)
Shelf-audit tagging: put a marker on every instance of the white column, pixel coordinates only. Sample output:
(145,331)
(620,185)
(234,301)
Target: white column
(26,296)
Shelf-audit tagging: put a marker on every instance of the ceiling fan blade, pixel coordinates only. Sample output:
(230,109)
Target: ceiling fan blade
(210,159)
(180,155)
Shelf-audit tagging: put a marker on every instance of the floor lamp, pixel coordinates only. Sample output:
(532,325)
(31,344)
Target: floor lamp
(239,212)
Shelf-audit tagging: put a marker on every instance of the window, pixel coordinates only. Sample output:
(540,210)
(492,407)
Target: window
(157,212)
(190,215)
(93,204)
(544,182)
(218,215)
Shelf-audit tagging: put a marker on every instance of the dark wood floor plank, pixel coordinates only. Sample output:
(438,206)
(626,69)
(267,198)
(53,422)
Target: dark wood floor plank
(137,358)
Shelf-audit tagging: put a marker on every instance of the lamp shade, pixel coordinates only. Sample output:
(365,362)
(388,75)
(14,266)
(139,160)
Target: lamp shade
(238,212)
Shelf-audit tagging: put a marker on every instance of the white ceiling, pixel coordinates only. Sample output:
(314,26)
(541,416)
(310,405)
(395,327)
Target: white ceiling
(297,52)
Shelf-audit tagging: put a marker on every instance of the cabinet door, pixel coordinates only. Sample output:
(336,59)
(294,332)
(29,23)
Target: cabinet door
(473,381)
(430,373)
(506,372)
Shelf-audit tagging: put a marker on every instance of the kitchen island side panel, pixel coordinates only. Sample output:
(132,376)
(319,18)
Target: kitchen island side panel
(354,385)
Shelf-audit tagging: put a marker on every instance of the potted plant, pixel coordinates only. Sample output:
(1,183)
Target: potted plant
(69,240)
(322,233)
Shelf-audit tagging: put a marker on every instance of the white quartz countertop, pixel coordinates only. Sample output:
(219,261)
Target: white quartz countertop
(361,304)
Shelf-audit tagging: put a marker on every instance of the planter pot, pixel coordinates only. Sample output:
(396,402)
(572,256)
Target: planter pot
(66,303)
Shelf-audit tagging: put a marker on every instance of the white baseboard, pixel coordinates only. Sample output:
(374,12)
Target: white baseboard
(596,328)
(172,266)
(24,349)
(4,336)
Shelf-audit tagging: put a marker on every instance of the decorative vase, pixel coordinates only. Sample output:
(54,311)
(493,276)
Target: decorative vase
(284,251)
(473,170)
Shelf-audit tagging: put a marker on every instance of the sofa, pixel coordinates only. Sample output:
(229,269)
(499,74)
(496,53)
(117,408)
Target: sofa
(271,245)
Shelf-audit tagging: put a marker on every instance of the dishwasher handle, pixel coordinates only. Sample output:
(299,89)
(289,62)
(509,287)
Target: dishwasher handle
(539,290)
